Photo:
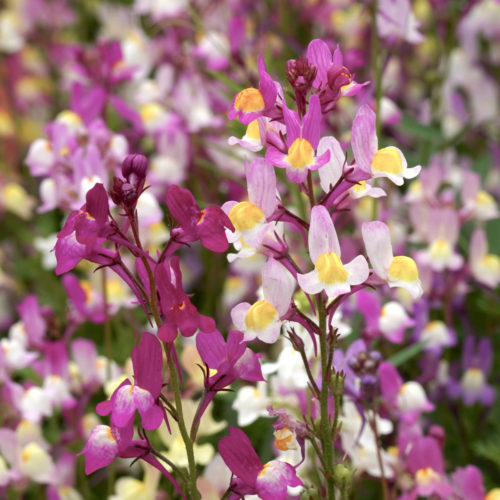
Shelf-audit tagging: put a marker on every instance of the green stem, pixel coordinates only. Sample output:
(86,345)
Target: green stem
(385,488)
(326,437)
(378,84)
(174,375)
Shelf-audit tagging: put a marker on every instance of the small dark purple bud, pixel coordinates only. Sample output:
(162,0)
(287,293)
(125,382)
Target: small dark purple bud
(297,342)
(134,164)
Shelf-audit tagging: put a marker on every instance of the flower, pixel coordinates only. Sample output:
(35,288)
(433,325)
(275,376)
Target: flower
(329,273)
(302,140)
(262,319)
(386,162)
(251,103)
(269,481)
(400,271)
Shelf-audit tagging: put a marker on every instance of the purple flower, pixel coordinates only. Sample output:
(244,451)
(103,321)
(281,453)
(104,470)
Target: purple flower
(333,80)
(83,233)
(269,481)
(207,225)
(178,311)
(302,140)
(144,393)
(251,103)
(425,463)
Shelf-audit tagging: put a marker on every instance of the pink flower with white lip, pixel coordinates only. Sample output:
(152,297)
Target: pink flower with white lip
(262,319)
(443,235)
(302,140)
(477,203)
(485,266)
(329,273)
(249,217)
(386,162)
(251,103)
(400,271)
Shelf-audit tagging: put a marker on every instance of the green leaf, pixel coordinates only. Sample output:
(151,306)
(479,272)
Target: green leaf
(407,353)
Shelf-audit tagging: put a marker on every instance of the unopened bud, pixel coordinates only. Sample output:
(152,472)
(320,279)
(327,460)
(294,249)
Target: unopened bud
(134,164)
(297,342)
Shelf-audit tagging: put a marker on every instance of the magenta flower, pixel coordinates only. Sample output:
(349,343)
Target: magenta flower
(249,104)
(207,225)
(178,311)
(425,463)
(83,233)
(333,80)
(269,481)
(302,140)
(144,393)
(467,483)
(231,360)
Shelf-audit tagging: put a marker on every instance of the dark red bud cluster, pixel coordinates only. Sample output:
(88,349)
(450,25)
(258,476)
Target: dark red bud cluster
(366,362)
(300,74)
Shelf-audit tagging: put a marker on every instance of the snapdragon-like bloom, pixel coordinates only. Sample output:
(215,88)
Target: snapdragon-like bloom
(441,253)
(390,320)
(386,162)
(333,80)
(425,463)
(179,312)
(268,481)
(302,140)
(83,232)
(399,271)
(206,225)
(396,21)
(251,103)
(329,273)
(249,217)
(144,393)
(263,319)
(485,267)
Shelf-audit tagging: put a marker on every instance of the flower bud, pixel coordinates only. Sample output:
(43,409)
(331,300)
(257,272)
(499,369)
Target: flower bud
(134,164)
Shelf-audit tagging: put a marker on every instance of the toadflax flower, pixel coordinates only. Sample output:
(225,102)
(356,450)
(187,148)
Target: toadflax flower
(262,319)
(329,273)
(302,140)
(249,104)
(386,162)
(268,481)
(144,393)
(398,271)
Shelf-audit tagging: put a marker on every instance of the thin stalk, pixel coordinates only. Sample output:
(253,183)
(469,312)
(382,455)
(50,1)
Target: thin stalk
(385,487)
(325,427)
(377,72)
(108,341)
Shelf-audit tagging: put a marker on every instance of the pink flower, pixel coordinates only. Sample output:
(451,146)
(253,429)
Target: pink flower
(269,481)
(386,162)
(302,140)
(251,103)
